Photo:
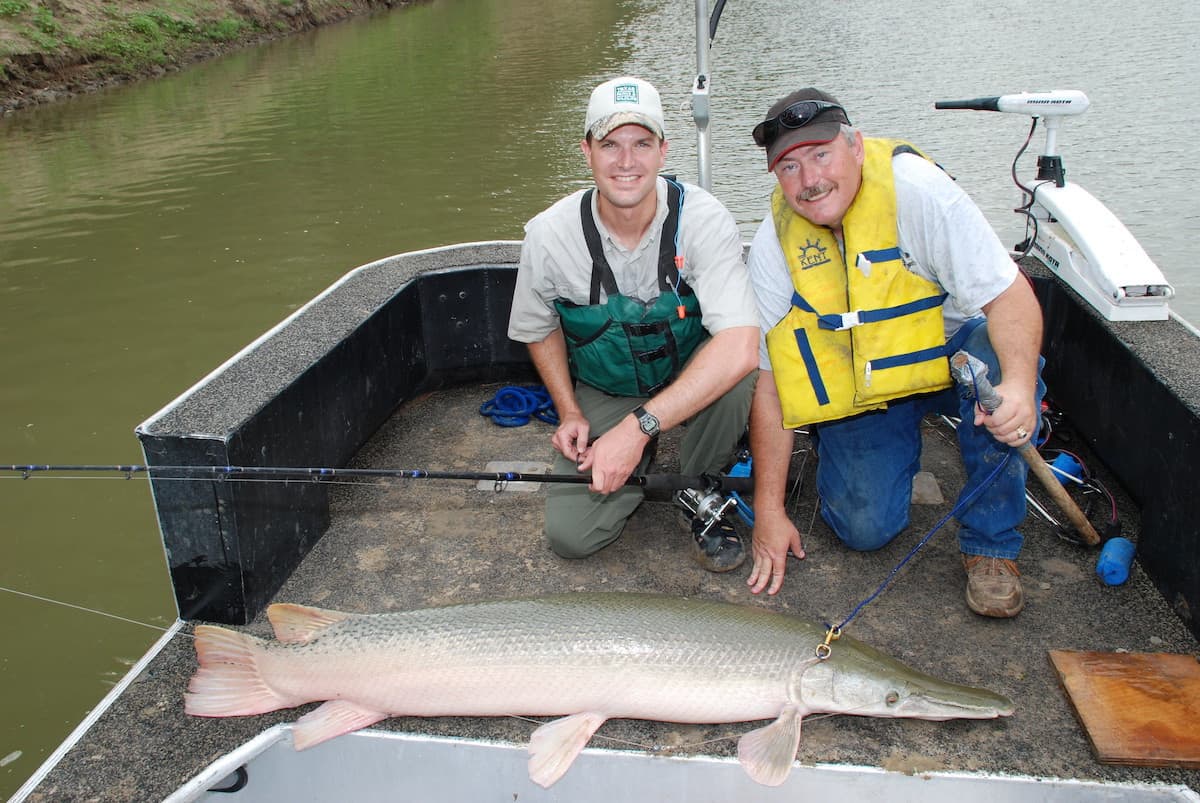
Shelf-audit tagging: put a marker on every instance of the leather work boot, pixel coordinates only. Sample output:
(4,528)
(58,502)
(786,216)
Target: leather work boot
(718,551)
(993,586)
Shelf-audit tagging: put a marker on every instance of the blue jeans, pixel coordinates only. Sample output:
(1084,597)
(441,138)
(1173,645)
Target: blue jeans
(866,467)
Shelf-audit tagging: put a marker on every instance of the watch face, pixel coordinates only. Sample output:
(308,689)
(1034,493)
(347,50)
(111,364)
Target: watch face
(647,421)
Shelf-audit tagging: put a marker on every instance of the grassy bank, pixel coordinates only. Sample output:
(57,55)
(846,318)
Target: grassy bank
(54,48)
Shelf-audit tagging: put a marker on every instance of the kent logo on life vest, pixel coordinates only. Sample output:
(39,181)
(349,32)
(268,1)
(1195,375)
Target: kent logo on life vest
(812,255)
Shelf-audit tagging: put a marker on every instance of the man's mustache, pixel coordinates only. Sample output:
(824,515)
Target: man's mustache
(809,193)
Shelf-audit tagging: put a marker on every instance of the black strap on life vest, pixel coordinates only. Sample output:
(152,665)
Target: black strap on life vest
(668,274)
(904,147)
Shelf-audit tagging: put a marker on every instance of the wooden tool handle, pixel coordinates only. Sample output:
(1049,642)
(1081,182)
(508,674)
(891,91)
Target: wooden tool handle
(970,372)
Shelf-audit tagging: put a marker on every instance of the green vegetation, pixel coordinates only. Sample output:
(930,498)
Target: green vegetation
(11,8)
(72,45)
(154,37)
(121,36)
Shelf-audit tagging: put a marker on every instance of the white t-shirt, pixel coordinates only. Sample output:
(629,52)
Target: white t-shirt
(555,263)
(942,234)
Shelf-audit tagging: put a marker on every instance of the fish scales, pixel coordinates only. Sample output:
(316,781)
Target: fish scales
(589,657)
(634,656)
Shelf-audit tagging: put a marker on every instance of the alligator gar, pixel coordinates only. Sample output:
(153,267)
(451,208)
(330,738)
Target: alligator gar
(590,657)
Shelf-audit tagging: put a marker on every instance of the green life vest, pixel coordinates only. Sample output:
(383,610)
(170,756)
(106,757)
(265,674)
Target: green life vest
(626,347)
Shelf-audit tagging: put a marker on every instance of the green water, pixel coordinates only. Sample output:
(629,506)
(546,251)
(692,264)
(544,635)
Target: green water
(149,233)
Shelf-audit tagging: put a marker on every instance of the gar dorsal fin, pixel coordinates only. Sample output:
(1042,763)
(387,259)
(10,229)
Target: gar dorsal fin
(297,624)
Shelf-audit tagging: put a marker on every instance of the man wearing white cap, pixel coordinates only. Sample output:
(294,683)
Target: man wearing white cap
(872,268)
(637,308)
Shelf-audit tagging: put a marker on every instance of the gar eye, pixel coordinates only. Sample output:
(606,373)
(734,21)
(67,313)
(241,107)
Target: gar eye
(892,698)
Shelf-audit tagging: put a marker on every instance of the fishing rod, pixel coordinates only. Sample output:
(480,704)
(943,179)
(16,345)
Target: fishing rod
(669,482)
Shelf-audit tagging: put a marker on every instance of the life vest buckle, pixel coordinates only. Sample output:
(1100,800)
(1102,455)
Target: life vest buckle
(848,320)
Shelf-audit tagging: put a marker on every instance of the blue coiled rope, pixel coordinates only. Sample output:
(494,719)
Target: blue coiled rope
(515,405)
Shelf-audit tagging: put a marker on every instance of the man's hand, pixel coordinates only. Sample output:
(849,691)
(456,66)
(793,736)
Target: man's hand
(1015,420)
(774,536)
(614,456)
(571,437)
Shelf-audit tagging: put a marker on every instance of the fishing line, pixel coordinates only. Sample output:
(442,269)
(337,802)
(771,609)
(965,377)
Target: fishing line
(231,479)
(86,609)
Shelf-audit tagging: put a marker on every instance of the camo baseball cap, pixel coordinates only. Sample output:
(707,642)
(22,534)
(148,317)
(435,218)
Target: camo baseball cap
(624,101)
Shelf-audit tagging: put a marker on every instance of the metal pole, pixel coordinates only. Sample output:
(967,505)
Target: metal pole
(700,105)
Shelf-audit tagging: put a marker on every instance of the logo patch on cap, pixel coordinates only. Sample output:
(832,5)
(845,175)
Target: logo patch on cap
(625,93)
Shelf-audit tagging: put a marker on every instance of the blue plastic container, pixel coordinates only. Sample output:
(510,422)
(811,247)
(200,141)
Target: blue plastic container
(1115,558)
(1064,462)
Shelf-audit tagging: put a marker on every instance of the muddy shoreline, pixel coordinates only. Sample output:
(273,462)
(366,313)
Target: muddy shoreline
(35,77)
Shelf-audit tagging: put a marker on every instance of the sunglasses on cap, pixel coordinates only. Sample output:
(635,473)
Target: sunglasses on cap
(797,115)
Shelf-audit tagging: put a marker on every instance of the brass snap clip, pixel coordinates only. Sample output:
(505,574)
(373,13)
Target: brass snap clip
(824,650)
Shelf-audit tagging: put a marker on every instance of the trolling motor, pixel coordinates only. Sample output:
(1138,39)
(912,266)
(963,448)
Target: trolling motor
(1049,106)
(1074,234)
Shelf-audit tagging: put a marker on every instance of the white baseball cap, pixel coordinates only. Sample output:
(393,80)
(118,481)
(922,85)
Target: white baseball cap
(622,101)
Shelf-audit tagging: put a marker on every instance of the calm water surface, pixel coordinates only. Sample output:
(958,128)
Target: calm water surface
(150,232)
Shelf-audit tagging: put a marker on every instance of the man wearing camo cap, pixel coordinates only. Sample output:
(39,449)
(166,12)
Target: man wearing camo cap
(637,308)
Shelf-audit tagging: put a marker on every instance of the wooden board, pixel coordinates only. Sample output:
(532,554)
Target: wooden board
(1141,709)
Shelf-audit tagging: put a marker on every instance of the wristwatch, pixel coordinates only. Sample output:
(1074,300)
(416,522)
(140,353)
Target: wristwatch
(647,421)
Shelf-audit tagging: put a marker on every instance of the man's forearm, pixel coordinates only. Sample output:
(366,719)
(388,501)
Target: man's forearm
(1015,330)
(720,364)
(550,358)
(770,445)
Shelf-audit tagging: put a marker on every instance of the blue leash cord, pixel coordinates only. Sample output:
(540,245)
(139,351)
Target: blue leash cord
(973,381)
(514,405)
(963,503)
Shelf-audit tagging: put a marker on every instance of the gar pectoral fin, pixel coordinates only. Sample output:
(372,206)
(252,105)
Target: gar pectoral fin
(332,719)
(554,746)
(767,753)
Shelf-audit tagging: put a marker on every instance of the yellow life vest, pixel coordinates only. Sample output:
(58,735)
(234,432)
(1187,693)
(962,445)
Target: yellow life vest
(854,338)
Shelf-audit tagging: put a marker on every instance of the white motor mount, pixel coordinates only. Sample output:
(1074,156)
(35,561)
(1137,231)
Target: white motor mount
(1076,236)
(1085,244)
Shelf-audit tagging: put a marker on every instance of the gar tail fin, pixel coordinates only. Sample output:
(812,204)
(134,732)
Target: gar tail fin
(767,753)
(554,746)
(228,682)
(297,624)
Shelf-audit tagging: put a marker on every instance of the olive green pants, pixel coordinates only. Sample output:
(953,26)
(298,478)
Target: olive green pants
(580,522)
